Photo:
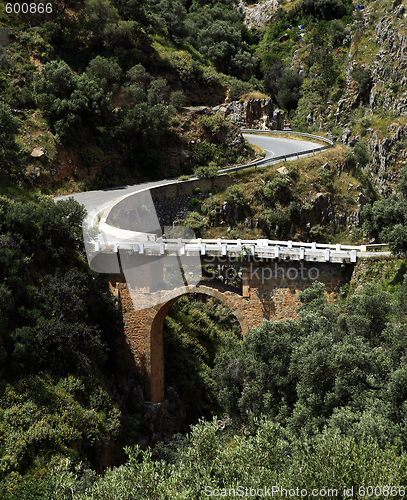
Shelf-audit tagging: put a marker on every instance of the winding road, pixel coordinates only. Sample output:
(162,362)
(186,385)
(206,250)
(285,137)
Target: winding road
(96,201)
(278,146)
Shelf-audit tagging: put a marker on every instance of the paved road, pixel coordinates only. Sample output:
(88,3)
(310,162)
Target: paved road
(95,201)
(278,146)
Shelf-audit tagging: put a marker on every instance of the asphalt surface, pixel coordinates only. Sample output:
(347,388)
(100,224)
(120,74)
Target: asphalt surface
(277,146)
(96,201)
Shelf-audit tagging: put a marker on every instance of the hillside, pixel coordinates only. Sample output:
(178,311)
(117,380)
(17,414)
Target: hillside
(99,111)
(100,93)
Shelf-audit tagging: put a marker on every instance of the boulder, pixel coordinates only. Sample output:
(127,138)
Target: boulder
(283,171)
(38,153)
(346,134)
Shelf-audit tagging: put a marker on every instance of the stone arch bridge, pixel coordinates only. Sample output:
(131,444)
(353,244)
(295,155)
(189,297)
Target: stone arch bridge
(256,279)
(148,271)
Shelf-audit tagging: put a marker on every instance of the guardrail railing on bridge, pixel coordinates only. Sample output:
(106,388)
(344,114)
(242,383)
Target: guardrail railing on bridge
(240,249)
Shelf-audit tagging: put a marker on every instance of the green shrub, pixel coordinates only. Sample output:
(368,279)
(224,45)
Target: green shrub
(210,76)
(203,152)
(326,178)
(235,195)
(207,172)
(363,78)
(187,69)
(237,88)
(177,99)
(195,221)
(92,156)
(361,153)
(41,413)
(193,202)
(213,124)
(317,232)
(197,190)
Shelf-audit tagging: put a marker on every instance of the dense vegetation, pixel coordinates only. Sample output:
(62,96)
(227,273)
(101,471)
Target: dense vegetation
(56,324)
(96,83)
(318,401)
(64,391)
(194,332)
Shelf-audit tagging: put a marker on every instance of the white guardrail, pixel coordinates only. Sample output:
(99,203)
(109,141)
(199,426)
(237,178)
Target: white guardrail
(240,249)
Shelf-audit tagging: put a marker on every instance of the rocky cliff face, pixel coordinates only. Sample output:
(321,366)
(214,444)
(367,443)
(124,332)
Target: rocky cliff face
(256,113)
(258,15)
(387,93)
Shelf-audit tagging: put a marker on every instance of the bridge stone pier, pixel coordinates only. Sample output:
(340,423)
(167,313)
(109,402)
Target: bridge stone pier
(265,289)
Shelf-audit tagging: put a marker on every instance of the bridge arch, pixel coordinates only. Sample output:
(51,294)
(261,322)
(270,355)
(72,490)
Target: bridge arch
(154,328)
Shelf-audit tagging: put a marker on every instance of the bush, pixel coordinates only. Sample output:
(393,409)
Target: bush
(193,202)
(92,156)
(40,413)
(11,154)
(238,88)
(195,221)
(187,69)
(203,152)
(207,172)
(213,124)
(402,183)
(385,221)
(235,195)
(289,92)
(326,178)
(361,153)
(210,76)
(177,99)
(317,232)
(363,78)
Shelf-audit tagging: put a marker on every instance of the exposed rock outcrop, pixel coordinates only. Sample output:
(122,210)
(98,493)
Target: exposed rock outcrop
(256,113)
(258,15)
(386,90)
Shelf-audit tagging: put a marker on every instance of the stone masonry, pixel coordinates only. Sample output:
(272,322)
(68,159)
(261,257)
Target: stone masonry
(269,291)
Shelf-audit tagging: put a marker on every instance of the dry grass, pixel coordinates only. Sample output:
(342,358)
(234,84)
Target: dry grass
(249,96)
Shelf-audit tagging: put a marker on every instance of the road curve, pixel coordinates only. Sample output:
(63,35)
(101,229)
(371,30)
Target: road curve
(96,201)
(278,146)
